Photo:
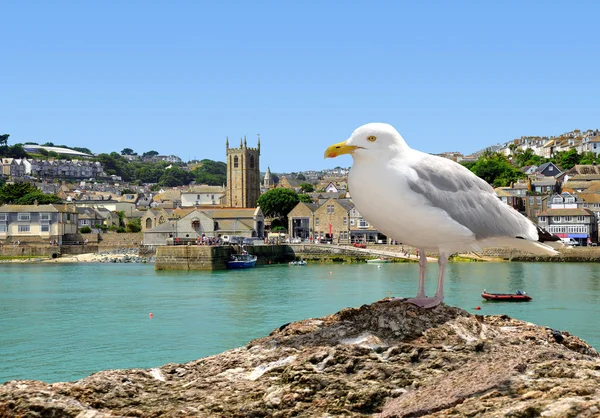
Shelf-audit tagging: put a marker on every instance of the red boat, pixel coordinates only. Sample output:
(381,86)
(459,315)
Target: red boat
(507,297)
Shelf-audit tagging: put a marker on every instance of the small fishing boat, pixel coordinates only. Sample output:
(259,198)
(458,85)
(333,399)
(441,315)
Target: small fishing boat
(379,260)
(507,297)
(241,261)
(297,263)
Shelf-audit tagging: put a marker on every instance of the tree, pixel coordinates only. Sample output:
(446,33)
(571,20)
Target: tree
(48,144)
(175,177)
(127,151)
(567,159)
(307,188)
(277,203)
(4,140)
(305,198)
(85,229)
(213,173)
(83,149)
(39,197)
(150,154)
(496,170)
(300,177)
(10,193)
(134,225)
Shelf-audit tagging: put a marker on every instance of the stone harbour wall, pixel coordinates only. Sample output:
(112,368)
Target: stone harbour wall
(192,257)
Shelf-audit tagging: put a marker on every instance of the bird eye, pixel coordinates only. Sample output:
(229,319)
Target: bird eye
(371,138)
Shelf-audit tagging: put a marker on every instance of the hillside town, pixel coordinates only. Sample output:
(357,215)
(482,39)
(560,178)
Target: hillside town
(92,200)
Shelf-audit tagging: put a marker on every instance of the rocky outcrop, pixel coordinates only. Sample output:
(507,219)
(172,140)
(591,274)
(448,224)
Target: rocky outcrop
(388,359)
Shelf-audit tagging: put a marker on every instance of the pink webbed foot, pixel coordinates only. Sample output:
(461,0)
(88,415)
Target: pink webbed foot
(425,302)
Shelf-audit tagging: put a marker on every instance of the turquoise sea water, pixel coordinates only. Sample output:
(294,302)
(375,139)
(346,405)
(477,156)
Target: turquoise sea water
(63,322)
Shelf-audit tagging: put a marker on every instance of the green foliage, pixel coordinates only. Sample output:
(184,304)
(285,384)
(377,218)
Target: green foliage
(134,225)
(155,187)
(150,154)
(128,191)
(567,159)
(127,151)
(14,151)
(85,229)
(4,140)
(115,164)
(82,149)
(307,187)
(10,193)
(213,173)
(39,197)
(277,203)
(121,229)
(496,170)
(175,176)
(300,177)
(305,198)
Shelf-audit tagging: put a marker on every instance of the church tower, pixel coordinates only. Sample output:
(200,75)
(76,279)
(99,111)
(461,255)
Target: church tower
(243,175)
(268,180)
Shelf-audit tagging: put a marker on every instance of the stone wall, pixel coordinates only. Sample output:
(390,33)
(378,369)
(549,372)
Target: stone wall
(192,257)
(116,240)
(10,250)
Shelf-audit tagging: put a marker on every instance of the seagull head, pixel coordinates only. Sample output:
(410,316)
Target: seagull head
(370,141)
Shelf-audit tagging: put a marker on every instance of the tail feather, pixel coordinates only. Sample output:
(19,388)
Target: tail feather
(534,247)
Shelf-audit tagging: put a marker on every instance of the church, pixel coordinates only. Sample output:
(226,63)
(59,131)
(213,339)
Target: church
(243,175)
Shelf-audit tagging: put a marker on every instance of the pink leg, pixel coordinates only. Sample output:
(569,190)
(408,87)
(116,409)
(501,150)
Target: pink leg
(421,300)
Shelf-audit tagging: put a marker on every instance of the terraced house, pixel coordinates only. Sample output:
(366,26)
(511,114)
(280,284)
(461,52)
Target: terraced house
(37,223)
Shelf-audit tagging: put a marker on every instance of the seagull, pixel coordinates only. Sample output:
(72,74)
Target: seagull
(431,203)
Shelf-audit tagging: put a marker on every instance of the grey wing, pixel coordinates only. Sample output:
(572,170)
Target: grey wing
(467,199)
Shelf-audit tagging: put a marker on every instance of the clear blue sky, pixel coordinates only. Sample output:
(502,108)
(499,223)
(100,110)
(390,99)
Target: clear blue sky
(178,77)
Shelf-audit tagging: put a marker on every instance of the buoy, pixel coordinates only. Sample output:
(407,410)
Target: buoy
(331,272)
(151,316)
(477,308)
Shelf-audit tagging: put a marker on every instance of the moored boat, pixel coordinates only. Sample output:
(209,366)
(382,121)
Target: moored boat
(379,260)
(241,261)
(507,297)
(297,263)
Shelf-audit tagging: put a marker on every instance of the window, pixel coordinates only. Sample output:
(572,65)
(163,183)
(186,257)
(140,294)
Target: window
(23,228)
(24,216)
(580,218)
(538,200)
(556,219)
(345,221)
(45,228)
(252,161)
(68,216)
(568,218)
(44,216)
(317,221)
(2,228)
(236,162)
(3,216)
(352,222)
(531,200)
(542,219)
(363,223)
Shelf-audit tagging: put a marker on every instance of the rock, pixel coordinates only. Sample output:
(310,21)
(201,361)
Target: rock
(387,359)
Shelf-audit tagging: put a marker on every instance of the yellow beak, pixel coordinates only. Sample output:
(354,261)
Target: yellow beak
(339,149)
